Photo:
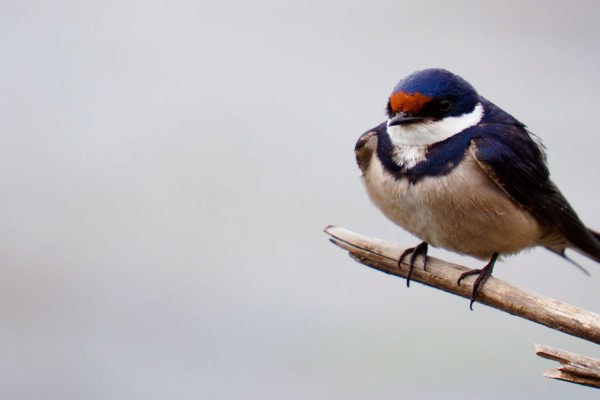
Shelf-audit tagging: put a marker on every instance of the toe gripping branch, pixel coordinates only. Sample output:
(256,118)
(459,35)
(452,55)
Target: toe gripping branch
(484,274)
(420,249)
(382,255)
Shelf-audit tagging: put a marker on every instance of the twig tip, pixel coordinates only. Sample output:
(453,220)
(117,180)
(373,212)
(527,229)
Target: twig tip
(329,229)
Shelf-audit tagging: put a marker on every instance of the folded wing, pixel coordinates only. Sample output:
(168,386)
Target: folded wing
(516,163)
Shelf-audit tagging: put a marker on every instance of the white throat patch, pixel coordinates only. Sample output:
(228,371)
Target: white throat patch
(425,133)
(409,156)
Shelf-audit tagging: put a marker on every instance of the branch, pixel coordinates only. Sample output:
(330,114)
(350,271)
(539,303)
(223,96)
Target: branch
(495,293)
(575,368)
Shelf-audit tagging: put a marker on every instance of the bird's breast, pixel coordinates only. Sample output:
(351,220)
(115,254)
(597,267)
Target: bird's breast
(462,211)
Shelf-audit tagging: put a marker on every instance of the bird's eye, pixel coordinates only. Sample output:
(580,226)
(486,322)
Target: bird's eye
(445,105)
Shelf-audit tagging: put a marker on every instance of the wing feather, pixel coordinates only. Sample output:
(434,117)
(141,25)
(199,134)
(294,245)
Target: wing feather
(516,163)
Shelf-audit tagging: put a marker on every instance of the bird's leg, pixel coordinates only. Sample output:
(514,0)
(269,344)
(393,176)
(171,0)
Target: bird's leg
(484,274)
(414,252)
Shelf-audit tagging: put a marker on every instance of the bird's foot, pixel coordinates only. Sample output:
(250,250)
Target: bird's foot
(414,252)
(484,274)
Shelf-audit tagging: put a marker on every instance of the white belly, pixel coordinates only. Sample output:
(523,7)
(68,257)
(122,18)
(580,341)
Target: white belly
(463,211)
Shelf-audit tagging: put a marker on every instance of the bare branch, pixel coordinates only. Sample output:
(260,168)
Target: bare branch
(495,293)
(575,368)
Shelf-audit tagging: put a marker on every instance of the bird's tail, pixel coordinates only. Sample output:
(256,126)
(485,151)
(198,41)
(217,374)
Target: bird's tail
(590,248)
(595,234)
(588,244)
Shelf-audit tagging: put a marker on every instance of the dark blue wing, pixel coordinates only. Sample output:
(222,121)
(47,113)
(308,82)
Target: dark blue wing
(512,159)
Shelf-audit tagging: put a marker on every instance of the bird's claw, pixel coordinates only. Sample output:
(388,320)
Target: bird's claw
(483,275)
(414,252)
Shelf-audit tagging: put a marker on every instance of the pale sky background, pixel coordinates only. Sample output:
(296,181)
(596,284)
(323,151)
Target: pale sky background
(167,169)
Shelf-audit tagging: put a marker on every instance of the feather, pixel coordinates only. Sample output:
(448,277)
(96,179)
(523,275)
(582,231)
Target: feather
(516,163)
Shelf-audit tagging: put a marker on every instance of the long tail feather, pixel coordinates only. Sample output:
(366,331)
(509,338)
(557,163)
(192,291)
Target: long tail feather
(562,254)
(585,271)
(595,234)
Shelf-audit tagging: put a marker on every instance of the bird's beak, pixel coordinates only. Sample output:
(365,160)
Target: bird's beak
(402,118)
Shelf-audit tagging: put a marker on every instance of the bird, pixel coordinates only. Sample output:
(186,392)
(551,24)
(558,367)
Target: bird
(460,173)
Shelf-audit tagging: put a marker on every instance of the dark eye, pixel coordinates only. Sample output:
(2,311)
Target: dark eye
(445,105)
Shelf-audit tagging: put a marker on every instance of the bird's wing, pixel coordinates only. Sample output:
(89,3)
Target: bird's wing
(516,163)
(366,146)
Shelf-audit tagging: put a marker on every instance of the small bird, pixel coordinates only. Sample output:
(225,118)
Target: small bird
(460,173)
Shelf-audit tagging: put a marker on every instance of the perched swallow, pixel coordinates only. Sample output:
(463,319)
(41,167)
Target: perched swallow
(460,173)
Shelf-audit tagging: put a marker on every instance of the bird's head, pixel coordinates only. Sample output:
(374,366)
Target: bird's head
(430,106)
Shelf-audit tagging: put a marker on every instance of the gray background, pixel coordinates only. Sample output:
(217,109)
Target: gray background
(167,169)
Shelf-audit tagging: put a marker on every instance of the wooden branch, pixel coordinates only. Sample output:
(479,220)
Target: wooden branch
(575,368)
(495,293)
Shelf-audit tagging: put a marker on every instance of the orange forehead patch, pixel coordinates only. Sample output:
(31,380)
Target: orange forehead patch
(408,102)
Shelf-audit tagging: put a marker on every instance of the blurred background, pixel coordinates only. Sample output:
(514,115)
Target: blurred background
(167,169)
